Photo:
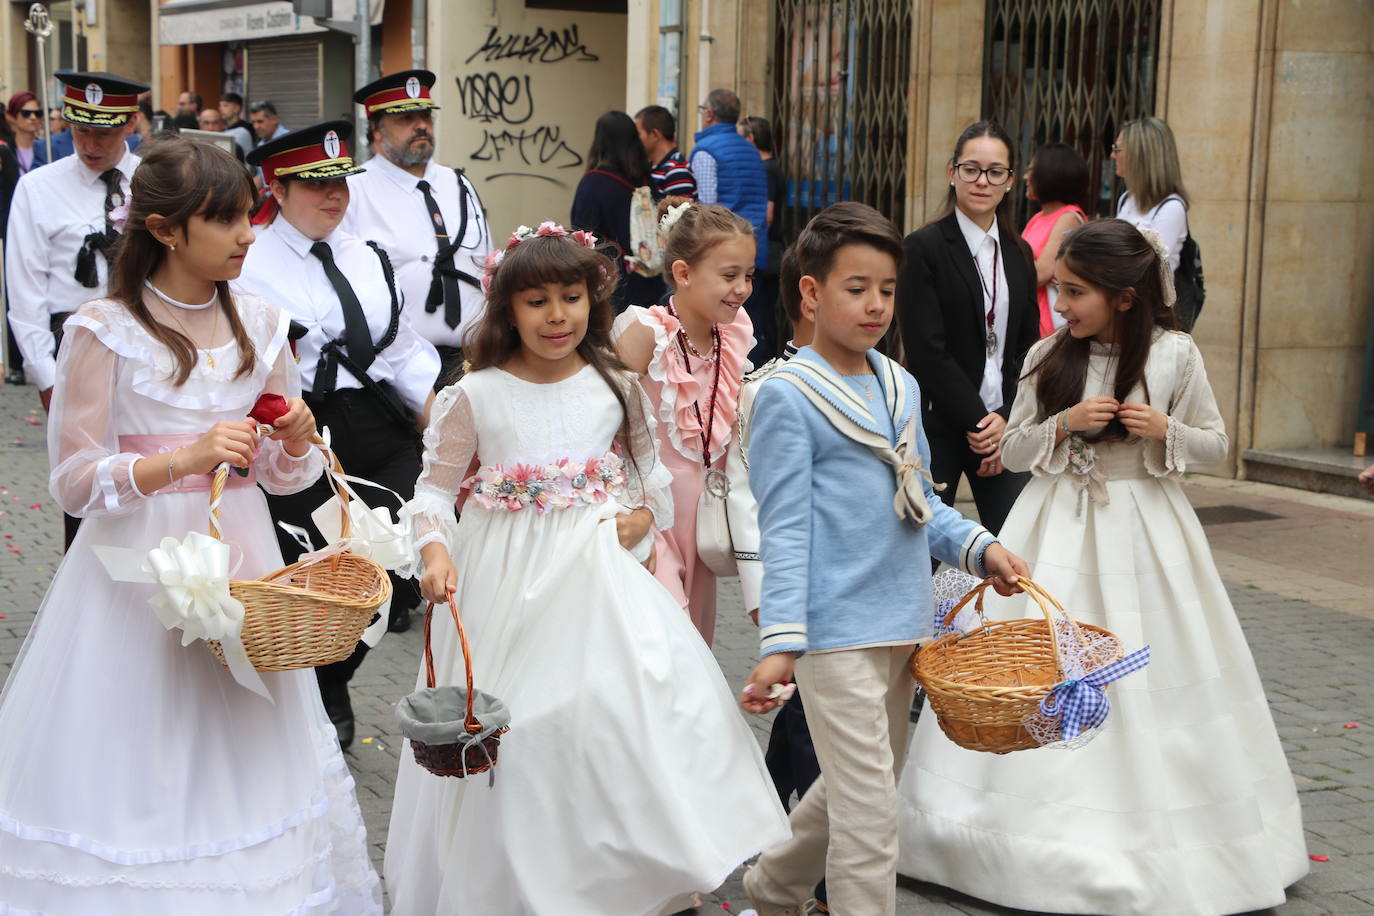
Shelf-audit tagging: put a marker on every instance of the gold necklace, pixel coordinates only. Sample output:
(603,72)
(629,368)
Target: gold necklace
(214,329)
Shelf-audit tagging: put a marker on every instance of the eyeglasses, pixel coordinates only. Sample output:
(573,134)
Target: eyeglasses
(30,113)
(969,173)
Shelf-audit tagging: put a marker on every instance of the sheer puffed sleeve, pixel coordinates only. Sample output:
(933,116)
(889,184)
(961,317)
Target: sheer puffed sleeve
(279,472)
(90,476)
(648,480)
(1028,444)
(450,445)
(1197,434)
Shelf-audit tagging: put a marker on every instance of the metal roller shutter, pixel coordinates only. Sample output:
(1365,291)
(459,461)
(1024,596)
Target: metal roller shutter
(286,73)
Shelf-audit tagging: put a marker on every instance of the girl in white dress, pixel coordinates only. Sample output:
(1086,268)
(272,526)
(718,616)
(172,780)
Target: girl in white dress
(136,776)
(628,777)
(1184,804)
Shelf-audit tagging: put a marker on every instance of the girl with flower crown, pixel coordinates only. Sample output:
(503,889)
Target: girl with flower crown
(691,354)
(627,779)
(1184,803)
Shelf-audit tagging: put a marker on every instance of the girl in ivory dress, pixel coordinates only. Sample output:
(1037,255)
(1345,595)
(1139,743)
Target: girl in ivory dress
(1184,803)
(691,354)
(627,778)
(136,777)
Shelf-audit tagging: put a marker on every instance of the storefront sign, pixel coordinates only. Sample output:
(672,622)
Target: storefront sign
(238,23)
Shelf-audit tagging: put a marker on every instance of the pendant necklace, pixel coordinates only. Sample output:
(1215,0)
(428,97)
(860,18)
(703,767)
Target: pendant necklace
(991,339)
(176,304)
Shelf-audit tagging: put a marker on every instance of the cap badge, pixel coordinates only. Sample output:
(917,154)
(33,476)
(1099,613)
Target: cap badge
(413,87)
(94,94)
(331,144)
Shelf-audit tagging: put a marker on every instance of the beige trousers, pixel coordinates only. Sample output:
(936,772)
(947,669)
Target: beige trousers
(858,706)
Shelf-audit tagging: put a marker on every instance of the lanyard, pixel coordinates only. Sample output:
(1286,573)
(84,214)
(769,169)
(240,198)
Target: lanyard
(992,293)
(715,385)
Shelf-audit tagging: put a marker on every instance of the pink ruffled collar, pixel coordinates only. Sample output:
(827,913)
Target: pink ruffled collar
(682,390)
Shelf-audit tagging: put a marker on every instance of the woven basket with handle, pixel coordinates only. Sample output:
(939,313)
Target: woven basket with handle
(473,752)
(309,613)
(983,684)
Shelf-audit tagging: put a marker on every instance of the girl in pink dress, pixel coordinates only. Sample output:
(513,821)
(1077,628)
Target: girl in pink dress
(691,355)
(1058,180)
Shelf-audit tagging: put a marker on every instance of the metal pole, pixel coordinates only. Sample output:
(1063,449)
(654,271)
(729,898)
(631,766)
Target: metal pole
(77,8)
(419,18)
(40,27)
(362,74)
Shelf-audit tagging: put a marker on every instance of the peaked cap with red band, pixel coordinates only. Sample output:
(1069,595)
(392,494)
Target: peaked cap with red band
(407,90)
(315,153)
(98,99)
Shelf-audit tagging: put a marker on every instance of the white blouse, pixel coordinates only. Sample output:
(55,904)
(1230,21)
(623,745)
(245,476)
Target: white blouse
(1169,218)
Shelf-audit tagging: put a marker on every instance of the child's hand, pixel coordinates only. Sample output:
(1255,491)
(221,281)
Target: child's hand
(440,578)
(1007,567)
(632,527)
(1093,413)
(774,669)
(235,443)
(1143,420)
(1367,479)
(295,428)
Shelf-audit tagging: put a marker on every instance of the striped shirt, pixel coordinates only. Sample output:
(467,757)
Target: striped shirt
(671,177)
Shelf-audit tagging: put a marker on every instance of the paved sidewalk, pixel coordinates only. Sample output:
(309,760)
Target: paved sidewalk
(1302,582)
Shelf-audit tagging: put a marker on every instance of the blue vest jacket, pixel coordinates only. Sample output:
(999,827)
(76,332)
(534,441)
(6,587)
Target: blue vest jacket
(741,182)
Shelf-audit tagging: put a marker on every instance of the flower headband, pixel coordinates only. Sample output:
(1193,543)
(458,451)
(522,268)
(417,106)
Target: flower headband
(546,229)
(1166,276)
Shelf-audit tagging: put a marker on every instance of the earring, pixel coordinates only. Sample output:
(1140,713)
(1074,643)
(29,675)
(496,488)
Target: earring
(172,247)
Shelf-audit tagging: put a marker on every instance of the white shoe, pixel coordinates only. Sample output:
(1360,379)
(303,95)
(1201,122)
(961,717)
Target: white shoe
(765,907)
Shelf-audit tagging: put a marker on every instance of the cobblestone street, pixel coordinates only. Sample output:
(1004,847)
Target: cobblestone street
(1298,566)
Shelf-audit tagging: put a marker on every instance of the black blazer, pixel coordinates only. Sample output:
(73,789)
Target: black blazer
(944,325)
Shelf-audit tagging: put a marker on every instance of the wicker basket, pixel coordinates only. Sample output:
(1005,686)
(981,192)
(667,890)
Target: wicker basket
(463,757)
(306,614)
(983,684)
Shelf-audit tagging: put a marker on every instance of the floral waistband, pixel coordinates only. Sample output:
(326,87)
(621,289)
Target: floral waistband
(560,485)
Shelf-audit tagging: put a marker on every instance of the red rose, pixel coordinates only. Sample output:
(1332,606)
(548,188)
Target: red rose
(268,408)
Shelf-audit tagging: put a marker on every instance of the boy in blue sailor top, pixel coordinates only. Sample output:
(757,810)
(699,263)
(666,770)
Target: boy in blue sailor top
(849,518)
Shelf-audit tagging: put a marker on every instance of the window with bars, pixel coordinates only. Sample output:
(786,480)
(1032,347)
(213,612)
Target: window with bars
(1071,71)
(840,105)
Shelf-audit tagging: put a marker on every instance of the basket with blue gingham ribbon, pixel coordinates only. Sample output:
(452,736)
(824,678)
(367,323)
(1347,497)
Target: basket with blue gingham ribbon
(1012,685)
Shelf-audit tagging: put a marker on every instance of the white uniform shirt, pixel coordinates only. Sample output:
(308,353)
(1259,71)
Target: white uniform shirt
(991,269)
(386,206)
(55,208)
(280,268)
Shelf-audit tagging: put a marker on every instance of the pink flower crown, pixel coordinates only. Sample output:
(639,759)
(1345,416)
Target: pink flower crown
(546,229)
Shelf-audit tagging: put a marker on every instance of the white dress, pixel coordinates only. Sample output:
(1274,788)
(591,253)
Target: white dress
(136,777)
(1184,804)
(628,776)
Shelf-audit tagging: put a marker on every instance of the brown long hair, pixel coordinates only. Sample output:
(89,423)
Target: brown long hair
(178,179)
(1116,260)
(556,259)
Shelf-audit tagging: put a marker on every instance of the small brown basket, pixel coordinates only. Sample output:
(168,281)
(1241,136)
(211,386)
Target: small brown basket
(430,712)
(985,683)
(306,614)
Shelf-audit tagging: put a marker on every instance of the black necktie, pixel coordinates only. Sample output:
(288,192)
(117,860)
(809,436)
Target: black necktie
(445,286)
(356,335)
(103,242)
